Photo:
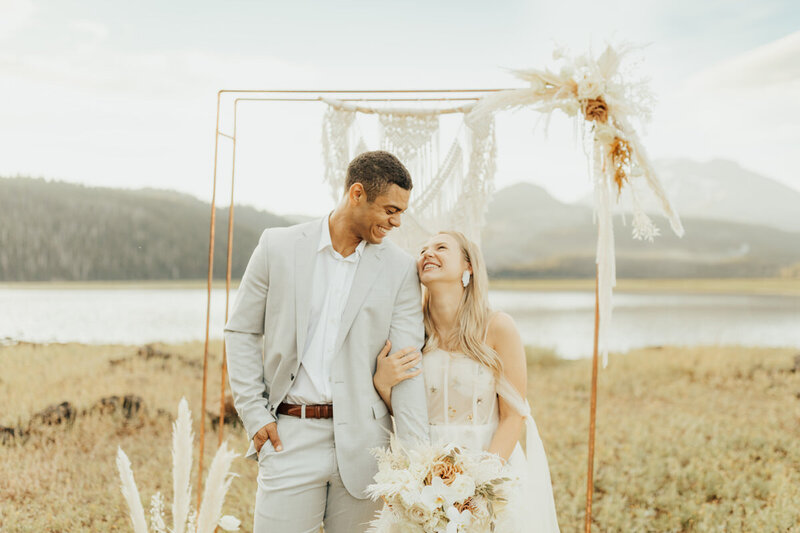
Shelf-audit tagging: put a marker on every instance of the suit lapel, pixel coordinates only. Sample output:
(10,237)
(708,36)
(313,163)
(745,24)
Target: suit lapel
(369,266)
(304,259)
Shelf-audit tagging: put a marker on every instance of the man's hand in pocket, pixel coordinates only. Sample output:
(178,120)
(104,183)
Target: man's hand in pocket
(268,433)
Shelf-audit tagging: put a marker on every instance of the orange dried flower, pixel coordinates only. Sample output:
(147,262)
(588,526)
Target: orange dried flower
(620,155)
(468,505)
(596,110)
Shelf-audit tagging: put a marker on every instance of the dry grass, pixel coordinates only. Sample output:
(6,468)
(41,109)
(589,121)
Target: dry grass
(690,439)
(697,439)
(64,478)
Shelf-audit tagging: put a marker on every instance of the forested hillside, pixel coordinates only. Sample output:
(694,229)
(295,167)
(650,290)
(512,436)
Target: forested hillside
(63,231)
(51,231)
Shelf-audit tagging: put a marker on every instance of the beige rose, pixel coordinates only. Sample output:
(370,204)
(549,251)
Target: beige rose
(418,513)
(444,468)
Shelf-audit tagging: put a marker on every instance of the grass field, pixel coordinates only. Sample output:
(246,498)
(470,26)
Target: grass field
(700,439)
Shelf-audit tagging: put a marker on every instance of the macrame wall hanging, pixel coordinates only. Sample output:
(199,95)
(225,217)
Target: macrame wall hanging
(452,188)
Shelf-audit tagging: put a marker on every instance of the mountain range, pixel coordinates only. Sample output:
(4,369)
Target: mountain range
(51,231)
(722,190)
(531,234)
(737,224)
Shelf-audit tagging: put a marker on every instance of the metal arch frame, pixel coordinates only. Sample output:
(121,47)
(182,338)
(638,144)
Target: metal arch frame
(282,95)
(294,95)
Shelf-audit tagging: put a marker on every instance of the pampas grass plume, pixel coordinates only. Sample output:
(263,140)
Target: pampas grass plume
(217,483)
(131,493)
(185,520)
(182,438)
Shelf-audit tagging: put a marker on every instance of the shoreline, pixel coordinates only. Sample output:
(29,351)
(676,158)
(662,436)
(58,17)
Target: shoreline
(737,286)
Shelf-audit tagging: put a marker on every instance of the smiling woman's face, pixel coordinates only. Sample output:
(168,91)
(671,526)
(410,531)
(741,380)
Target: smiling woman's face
(441,261)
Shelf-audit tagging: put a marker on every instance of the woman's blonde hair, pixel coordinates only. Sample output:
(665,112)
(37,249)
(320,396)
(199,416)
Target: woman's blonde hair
(473,312)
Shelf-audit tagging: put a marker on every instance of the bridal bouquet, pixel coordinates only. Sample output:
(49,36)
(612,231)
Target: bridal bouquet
(439,489)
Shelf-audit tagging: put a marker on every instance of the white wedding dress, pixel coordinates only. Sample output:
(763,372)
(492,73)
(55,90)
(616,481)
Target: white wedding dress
(463,409)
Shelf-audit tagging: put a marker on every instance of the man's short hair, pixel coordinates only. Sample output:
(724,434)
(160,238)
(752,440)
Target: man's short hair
(376,171)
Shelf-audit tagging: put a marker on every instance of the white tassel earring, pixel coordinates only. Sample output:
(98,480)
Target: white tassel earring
(465,278)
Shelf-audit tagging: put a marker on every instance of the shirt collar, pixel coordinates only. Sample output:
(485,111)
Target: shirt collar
(325,241)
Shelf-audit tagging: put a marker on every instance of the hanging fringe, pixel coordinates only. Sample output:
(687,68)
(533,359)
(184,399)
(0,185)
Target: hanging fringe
(593,92)
(605,256)
(445,195)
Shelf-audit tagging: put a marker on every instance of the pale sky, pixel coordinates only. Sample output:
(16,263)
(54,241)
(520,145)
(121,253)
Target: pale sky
(123,94)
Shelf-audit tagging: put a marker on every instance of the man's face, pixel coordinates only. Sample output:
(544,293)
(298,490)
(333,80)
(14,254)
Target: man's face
(374,220)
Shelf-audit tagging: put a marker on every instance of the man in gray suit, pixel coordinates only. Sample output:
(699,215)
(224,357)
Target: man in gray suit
(316,305)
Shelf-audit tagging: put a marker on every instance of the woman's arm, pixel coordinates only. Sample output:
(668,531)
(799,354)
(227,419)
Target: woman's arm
(392,369)
(504,338)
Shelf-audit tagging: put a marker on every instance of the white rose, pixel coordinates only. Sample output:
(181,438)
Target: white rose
(605,133)
(463,487)
(589,89)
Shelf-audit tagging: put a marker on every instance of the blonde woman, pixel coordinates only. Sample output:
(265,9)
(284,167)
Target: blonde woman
(475,374)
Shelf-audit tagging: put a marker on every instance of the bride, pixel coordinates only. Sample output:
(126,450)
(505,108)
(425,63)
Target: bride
(475,375)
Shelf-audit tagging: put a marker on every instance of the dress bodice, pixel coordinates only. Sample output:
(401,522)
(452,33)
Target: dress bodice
(460,390)
(463,409)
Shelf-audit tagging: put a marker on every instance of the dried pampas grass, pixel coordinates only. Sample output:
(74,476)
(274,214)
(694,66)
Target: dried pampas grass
(182,438)
(217,484)
(185,520)
(131,493)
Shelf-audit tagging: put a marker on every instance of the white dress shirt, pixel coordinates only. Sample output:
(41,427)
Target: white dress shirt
(332,281)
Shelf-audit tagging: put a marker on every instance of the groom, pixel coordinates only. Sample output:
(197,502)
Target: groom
(316,304)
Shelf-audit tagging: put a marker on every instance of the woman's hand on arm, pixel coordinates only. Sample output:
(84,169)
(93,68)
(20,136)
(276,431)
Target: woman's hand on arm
(506,341)
(391,369)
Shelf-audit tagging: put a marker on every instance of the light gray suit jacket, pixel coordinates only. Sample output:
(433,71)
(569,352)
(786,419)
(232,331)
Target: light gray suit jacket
(266,334)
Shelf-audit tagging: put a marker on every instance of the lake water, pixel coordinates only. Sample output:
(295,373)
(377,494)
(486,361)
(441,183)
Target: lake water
(561,320)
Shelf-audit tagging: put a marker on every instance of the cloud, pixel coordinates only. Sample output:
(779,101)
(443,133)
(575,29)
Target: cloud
(170,74)
(96,31)
(15,15)
(744,108)
(774,63)
(144,116)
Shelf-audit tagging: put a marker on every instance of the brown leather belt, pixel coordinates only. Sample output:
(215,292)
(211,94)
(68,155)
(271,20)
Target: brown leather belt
(306,411)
